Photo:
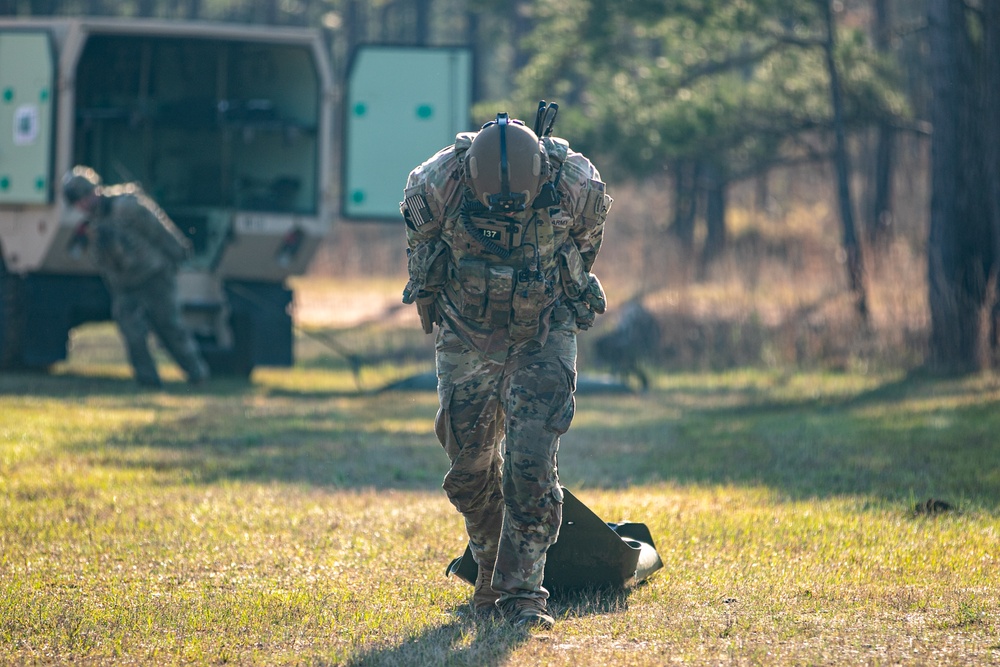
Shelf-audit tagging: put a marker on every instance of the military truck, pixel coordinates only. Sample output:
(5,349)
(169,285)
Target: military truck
(228,128)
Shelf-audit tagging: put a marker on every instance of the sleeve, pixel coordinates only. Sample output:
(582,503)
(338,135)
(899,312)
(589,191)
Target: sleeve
(422,221)
(589,204)
(429,188)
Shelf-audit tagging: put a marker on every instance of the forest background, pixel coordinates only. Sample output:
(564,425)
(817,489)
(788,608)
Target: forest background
(809,182)
(800,185)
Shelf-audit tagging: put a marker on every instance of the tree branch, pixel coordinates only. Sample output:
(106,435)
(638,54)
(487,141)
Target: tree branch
(730,63)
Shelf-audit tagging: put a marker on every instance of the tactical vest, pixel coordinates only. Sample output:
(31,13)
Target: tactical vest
(502,271)
(505,273)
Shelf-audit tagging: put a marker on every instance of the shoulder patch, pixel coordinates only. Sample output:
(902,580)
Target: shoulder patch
(597,202)
(415,206)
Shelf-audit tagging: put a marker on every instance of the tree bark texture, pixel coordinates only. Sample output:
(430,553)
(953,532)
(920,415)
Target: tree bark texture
(686,176)
(880,214)
(990,63)
(715,214)
(962,243)
(849,234)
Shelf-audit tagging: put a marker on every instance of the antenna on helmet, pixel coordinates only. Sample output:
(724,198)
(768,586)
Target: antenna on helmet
(545,118)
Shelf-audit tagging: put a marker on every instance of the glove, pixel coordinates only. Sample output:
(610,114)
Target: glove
(594,295)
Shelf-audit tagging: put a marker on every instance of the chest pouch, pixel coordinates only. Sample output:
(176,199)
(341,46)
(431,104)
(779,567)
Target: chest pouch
(500,289)
(473,277)
(484,291)
(530,299)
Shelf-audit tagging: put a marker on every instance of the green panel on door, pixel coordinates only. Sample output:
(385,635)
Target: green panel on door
(27,74)
(402,105)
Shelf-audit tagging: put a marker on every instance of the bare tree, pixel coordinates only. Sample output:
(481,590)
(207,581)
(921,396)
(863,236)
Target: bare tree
(423,22)
(715,214)
(990,63)
(849,235)
(43,7)
(879,219)
(686,176)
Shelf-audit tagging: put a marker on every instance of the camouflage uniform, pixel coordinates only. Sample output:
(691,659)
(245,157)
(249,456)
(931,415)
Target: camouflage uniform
(508,315)
(137,250)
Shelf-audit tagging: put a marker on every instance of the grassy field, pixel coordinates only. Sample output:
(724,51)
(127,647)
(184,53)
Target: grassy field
(298,519)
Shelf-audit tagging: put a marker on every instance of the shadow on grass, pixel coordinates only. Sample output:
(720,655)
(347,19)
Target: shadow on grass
(467,640)
(236,430)
(900,442)
(315,448)
(590,601)
(479,641)
(74,385)
(63,386)
(904,440)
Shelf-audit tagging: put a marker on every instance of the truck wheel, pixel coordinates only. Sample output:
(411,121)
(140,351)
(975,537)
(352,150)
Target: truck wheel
(237,361)
(12,316)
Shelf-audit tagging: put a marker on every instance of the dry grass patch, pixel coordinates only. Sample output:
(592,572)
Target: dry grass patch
(296,520)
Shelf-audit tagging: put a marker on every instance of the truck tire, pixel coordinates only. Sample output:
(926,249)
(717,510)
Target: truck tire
(12,320)
(237,361)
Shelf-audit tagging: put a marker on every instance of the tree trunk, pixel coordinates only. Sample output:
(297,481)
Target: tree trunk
(521,26)
(879,219)
(961,244)
(762,193)
(685,199)
(852,247)
(42,7)
(472,40)
(269,12)
(355,31)
(715,215)
(423,22)
(991,153)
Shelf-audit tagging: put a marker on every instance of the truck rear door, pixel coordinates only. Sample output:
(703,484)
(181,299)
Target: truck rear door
(27,77)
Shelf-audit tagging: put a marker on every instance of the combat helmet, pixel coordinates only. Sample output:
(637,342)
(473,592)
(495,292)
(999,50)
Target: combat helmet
(78,183)
(506,165)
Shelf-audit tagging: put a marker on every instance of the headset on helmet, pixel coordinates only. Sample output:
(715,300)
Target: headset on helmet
(506,165)
(78,183)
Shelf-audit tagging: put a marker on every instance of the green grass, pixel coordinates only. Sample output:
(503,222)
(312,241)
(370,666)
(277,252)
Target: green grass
(297,520)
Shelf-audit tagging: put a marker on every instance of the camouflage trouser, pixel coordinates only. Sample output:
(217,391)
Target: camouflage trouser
(153,305)
(511,501)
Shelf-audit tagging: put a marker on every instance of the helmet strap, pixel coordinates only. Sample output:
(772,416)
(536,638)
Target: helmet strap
(505,201)
(502,121)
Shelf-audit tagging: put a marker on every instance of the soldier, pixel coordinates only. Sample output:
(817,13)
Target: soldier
(502,230)
(137,250)
(635,340)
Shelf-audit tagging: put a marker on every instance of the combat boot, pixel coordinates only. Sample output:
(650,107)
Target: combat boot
(526,613)
(484,599)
